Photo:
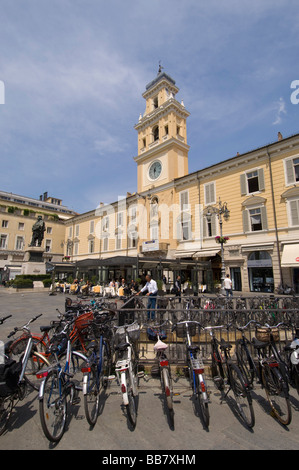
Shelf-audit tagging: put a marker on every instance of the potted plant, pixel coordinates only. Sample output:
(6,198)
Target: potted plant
(219,239)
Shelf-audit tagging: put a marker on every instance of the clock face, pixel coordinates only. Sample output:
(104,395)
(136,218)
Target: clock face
(155,170)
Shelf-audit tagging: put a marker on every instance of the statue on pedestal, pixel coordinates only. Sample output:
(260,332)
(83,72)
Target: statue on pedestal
(38,230)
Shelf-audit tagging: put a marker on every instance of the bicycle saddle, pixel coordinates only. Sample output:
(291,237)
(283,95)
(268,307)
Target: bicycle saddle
(122,346)
(225,344)
(160,346)
(45,328)
(259,344)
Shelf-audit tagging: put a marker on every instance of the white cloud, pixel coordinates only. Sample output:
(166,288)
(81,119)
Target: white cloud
(280,109)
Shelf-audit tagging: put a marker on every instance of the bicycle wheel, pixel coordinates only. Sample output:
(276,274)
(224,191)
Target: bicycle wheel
(277,394)
(242,396)
(201,394)
(6,406)
(35,364)
(92,395)
(166,384)
(217,369)
(131,406)
(245,362)
(53,408)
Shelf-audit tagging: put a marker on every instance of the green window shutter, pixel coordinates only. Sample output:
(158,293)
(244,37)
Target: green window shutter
(261,179)
(245,215)
(264,218)
(289,170)
(294,213)
(243,184)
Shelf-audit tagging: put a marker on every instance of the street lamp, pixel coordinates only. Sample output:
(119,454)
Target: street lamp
(221,211)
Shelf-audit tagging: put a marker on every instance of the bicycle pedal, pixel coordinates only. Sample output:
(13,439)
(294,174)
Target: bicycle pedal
(76,401)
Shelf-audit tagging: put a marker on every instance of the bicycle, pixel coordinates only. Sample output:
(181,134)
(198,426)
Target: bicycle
(273,373)
(57,385)
(187,329)
(96,375)
(156,333)
(269,371)
(14,376)
(226,372)
(126,366)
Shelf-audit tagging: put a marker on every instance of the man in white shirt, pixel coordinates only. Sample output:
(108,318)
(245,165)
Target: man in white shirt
(228,286)
(152,291)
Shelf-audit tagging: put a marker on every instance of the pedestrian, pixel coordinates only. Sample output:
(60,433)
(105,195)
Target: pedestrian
(178,288)
(152,291)
(228,286)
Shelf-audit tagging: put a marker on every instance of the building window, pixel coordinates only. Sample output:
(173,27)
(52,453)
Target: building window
(184,227)
(3,241)
(166,129)
(209,226)
(105,223)
(292,170)
(155,102)
(19,243)
(210,193)
(48,245)
(154,231)
(120,218)
(4,223)
(76,248)
(49,230)
(252,181)
(155,133)
(184,201)
(118,241)
(70,232)
(105,243)
(255,219)
(77,230)
(91,226)
(91,246)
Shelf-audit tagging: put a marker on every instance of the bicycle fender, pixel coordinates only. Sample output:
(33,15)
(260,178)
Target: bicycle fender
(123,383)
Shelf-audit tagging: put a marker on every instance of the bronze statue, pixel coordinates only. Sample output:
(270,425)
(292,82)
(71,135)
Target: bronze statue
(38,230)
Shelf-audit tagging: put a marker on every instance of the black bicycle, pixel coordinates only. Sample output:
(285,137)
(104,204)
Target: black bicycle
(224,372)
(270,369)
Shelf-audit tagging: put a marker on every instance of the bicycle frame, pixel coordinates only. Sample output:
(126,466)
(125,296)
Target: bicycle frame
(124,366)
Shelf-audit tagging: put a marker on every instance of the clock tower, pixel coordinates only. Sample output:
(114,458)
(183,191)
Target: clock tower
(162,135)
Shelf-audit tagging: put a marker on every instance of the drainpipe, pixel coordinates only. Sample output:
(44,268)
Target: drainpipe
(275,219)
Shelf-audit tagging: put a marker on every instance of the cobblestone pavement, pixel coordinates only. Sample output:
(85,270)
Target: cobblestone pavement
(152,433)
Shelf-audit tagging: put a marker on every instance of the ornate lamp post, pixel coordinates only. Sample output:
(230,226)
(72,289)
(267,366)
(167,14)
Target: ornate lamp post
(222,212)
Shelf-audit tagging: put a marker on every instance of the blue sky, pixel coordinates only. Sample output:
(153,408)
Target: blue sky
(74,72)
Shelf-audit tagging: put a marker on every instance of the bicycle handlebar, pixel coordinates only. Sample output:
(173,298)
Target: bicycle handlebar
(2,320)
(24,327)
(187,321)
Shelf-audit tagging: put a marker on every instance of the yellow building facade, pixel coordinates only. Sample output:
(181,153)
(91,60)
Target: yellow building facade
(17,216)
(170,224)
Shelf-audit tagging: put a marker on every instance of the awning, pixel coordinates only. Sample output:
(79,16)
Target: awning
(290,256)
(206,254)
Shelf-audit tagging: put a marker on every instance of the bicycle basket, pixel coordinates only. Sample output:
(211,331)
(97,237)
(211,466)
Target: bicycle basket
(9,377)
(134,332)
(120,336)
(181,330)
(83,321)
(263,334)
(152,334)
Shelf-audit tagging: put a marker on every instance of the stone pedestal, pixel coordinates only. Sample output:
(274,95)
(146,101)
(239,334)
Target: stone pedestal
(34,261)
